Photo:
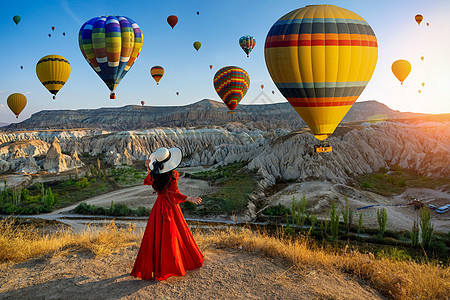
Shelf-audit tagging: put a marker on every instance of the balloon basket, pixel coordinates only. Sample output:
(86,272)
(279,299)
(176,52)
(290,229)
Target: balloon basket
(112,96)
(325,147)
(231,112)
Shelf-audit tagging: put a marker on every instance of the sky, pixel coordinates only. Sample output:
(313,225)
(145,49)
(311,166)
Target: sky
(218,27)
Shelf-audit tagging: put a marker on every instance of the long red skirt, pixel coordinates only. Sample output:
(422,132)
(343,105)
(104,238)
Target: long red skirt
(168,247)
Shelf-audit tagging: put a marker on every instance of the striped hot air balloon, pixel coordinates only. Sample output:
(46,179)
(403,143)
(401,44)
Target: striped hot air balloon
(231,83)
(321,57)
(157,73)
(53,71)
(111,45)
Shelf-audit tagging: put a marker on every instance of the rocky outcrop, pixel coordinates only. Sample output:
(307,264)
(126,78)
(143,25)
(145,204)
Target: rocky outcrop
(56,162)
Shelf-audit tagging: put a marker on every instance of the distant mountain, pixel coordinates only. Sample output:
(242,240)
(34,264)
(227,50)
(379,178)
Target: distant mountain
(204,112)
(3,124)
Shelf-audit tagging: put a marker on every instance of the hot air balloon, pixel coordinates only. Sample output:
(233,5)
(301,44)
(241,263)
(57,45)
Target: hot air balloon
(16,103)
(64,34)
(49,35)
(111,45)
(262,86)
(17,19)
(418,19)
(157,73)
(211,66)
(422,58)
(21,67)
(322,65)
(142,103)
(177,93)
(172,20)
(273,92)
(231,84)
(198,13)
(53,71)
(247,43)
(420,91)
(423,84)
(428,24)
(197,45)
(401,69)
(53,28)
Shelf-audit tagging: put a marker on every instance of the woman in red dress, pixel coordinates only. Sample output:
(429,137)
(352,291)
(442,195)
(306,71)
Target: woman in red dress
(168,247)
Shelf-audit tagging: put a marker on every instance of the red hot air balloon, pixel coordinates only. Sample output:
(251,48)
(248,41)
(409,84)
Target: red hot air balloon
(262,86)
(211,66)
(53,28)
(142,103)
(172,20)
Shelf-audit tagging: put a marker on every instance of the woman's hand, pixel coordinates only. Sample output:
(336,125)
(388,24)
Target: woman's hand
(195,200)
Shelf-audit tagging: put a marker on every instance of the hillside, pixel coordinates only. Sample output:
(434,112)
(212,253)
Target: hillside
(204,112)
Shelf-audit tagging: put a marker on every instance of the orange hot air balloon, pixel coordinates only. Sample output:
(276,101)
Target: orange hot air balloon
(142,103)
(262,86)
(401,69)
(211,66)
(422,58)
(172,20)
(428,24)
(16,103)
(423,84)
(419,19)
(157,73)
(420,91)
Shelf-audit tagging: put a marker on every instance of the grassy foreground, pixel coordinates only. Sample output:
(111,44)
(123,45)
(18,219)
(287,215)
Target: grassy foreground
(395,279)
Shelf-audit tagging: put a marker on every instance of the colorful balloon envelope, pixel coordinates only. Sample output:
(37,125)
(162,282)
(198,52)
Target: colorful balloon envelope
(197,45)
(262,86)
(423,84)
(17,19)
(231,84)
(401,69)
(211,66)
(157,73)
(418,19)
(172,20)
(247,43)
(142,103)
(16,103)
(321,58)
(53,71)
(111,45)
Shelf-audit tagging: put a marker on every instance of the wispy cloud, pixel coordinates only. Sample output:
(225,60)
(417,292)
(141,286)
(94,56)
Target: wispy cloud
(27,93)
(65,6)
(2,106)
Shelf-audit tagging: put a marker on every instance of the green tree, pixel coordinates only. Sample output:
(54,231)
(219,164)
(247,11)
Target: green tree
(426,228)
(382,218)
(360,222)
(347,215)
(334,220)
(415,233)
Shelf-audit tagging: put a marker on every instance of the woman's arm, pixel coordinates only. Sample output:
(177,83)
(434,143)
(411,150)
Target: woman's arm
(195,200)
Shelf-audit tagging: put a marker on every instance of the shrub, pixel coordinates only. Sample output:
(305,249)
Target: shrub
(82,183)
(415,233)
(366,185)
(426,227)
(278,210)
(382,220)
(334,220)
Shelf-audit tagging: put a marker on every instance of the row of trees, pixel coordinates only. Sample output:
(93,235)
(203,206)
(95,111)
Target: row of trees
(422,231)
(19,201)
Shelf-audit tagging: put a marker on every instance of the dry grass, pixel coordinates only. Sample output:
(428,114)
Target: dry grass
(397,279)
(19,243)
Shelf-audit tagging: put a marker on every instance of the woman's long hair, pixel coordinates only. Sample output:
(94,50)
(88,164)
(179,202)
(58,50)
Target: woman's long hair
(161,181)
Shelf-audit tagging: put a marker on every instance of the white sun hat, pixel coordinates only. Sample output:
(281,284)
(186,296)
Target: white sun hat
(164,160)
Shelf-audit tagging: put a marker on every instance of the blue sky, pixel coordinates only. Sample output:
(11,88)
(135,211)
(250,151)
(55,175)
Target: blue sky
(218,28)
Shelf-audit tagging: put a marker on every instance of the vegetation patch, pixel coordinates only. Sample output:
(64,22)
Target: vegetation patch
(236,184)
(395,180)
(116,210)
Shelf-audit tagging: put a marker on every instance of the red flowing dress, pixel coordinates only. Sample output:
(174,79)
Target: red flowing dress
(168,247)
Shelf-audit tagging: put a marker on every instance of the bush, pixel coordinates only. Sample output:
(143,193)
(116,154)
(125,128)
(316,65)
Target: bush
(366,185)
(278,210)
(82,183)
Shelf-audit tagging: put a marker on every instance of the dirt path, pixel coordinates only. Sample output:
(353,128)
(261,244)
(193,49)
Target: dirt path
(226,274)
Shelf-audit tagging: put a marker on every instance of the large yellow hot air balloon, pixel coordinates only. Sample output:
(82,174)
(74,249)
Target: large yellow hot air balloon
(401,69)
(53,72)
(321,57)
(16,103)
